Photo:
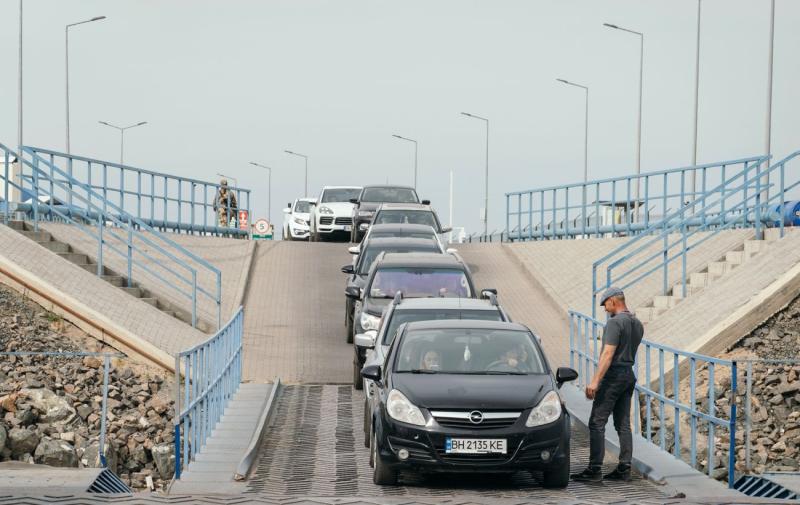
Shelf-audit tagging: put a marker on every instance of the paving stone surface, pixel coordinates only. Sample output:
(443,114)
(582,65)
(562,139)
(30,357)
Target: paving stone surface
(136,316)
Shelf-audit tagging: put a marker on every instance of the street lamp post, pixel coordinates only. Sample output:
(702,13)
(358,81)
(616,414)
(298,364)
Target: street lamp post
(305,193)
(66,59)
(122,136)
(415,155)
(639,122)
(269,189)
(486,178)
(585,139)
(18,174)
(693,178)
(768,138)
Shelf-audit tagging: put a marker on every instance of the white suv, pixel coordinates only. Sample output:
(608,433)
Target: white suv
(295,219)
(333,212)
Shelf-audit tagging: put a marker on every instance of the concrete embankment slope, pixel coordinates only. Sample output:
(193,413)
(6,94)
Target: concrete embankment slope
(231,256)
(564,267)
(717,317)
(97,307)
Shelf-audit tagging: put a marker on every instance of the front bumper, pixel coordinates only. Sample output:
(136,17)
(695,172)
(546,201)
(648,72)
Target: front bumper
(426,446)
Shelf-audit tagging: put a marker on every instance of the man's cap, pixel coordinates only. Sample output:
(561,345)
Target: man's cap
(612,291)
(223,182)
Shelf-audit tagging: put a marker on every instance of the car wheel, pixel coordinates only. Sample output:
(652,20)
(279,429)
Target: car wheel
(557,476)
(348,316)
(351,334)
(382,474)
(358,381)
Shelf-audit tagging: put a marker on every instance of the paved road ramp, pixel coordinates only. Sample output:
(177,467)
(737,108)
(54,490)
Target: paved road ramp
(294,314)
(315,448)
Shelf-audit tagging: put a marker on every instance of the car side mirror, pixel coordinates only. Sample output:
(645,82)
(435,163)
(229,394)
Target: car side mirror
(486,293)
(446,229)
(354,200)
(354,249)
(366,339)
(451,250)
(352,291)
(565,374)
(372,372)
(426,202)
(348,269)
(287,211)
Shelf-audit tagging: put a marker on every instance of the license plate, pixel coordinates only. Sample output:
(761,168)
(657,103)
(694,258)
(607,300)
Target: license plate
(347,227)
(475,446)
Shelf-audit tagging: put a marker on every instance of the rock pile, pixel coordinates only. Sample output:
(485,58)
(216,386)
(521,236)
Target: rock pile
(50,407)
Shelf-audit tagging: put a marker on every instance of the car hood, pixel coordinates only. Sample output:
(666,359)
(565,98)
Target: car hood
(338,208)
(369,206)
(302,215)
(470,392)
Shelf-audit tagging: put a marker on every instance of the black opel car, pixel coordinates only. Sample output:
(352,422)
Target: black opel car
(462,395)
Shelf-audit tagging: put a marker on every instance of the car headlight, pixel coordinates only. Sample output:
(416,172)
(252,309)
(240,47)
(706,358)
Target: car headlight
(325,210)
(548,411)
(365,213)
(370,322)
(297,220)
(400,409)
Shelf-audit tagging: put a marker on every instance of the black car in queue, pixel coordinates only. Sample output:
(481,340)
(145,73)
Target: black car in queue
(468,396)
(371,197)
(415,275)
(407,310)
(357,273)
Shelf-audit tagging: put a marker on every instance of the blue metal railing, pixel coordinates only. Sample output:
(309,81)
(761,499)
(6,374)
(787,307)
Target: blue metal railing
(115,231)
(742,200)
(162,201)
(610,206)
(212,371)
(584,353)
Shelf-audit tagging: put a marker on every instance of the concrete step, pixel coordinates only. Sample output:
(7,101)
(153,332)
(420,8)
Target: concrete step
(56,247)
(736,257)
(150,301)
(719,268)
(665,301)
(77,258)
(773,234)
(752,247)
(648,314)
(37,236)
(90,267)
(135,292)
(17,225)
(677,290)
(699,279)
(114,280)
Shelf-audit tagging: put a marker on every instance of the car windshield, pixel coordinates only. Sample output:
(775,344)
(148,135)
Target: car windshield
(390,195)
(406,217)
(420,283)
(409,316)
(339,194)
(302,207)
(469,351)
(366,258)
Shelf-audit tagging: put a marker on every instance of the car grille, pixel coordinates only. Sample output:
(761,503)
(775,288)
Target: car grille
(488,459)
(326,220)
(344,220)
(460,420)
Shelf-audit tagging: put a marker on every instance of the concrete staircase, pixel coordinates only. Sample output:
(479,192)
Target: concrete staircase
(697,281)
(65,251)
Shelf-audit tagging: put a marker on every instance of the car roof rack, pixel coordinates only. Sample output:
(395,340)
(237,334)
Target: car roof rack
(398,297)
(493,299)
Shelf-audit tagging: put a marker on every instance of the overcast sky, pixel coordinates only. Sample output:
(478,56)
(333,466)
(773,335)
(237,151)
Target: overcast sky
(224,82)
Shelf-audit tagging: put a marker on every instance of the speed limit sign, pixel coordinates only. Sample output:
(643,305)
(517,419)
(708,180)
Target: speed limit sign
(262,226)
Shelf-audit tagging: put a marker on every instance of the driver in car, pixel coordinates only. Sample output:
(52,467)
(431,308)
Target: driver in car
(514,360)
(432,360)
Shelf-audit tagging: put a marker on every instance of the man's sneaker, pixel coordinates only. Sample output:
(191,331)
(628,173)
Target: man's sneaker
(623,474)
(588,475)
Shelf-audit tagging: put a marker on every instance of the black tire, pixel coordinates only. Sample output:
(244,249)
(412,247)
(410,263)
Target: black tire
(382,474)
(367,418)
(358,381)
(351,332)
(557,476)
(348,316)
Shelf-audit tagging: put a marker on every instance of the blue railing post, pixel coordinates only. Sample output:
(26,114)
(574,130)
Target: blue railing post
(732,429)
(130,253)
(100,244)
(35,199)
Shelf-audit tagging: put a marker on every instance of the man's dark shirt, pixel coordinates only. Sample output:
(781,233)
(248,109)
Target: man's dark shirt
(625,331)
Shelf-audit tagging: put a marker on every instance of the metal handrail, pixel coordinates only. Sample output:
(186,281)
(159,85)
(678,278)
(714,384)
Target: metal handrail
(567,203)
(97,211)
(166,210)
(712,211)
(212,372)
(584,355)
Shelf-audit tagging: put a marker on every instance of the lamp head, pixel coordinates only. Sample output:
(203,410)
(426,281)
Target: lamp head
(98,18)
(611,26)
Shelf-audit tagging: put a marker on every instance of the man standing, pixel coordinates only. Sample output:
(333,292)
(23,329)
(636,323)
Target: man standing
(224,204)
(612,388)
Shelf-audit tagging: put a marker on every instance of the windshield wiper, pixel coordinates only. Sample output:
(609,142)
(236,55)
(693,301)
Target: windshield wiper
(421,370)
(492,372)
